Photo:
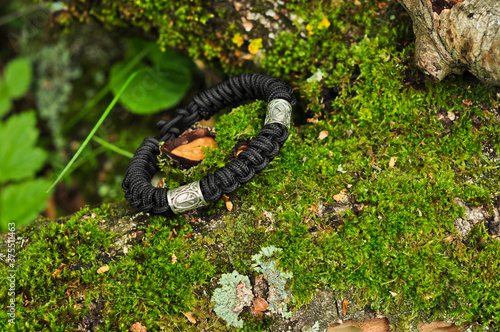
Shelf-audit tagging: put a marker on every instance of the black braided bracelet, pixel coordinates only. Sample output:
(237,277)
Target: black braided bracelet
(260,151)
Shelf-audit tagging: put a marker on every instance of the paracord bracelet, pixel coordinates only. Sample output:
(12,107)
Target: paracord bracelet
(253,159)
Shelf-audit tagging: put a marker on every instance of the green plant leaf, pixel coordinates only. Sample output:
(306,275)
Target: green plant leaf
(18,153)
(21,203)
(5,102)
(18,77)
(156,87)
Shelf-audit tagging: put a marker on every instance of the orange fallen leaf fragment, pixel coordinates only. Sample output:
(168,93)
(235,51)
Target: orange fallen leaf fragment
(322,135)
(260,304)
(344,306)
(448,239)
(138,327)
(255,312)
(467,102)
(240,150)
(102,269)
(229,206)
(194,150)
(190,318)
(173,258)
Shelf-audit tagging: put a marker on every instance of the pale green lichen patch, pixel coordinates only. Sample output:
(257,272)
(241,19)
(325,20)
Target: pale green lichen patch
(234,294)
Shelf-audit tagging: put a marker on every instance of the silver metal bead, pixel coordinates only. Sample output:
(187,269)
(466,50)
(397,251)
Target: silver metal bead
(185,198)
(280,111)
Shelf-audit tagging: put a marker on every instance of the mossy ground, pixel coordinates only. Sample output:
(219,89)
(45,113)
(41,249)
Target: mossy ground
(390,245)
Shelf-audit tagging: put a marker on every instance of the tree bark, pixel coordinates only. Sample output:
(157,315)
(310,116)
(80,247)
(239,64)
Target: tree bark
(453,36)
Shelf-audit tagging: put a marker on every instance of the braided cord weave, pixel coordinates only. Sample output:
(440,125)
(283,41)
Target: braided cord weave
(260,151)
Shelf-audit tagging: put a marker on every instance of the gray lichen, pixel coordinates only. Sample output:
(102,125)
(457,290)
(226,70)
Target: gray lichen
(276,279)
(232,297)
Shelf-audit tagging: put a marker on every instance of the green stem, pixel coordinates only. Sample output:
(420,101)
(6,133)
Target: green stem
(98,124)
(113,147)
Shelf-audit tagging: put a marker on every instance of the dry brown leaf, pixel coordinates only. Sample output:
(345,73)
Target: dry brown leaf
(138,327)
(448,239)
(173,258)
(255,312)
(260,304)
(344,306)
(313,119)
(194,149)
(229,206)
(392,162)
(103,269)
(190,318)
(322,135)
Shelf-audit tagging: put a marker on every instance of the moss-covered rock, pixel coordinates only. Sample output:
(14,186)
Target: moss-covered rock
(386,193)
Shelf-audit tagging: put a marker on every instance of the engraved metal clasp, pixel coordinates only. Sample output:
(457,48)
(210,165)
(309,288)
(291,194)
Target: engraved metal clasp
(279,110)
(185,198)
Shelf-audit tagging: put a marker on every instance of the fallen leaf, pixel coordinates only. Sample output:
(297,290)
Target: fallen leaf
(341,196)
(448,239)
(260,304)
(225,198)
(313,119)
(322,135)
(174,258)
(138,327)
(392,162)
(255,312)
(190,318)
(194,150)
(451,116)
(393,293)
(229,206)
(467,102)
(103,269)
(344,306)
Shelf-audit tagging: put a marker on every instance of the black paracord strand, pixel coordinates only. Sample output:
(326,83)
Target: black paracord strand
(255,158)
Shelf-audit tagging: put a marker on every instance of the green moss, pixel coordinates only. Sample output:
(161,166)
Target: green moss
(58,284)
(389,244)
